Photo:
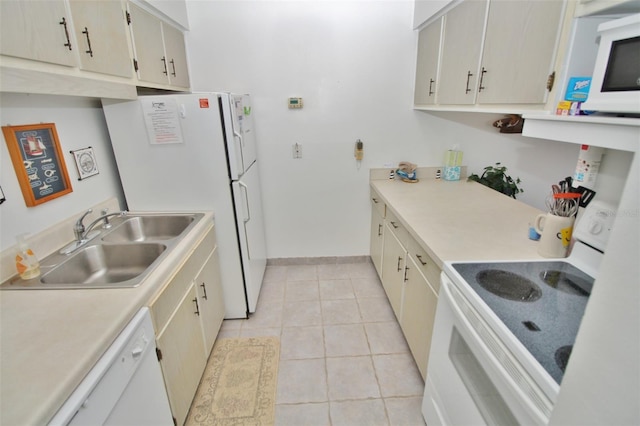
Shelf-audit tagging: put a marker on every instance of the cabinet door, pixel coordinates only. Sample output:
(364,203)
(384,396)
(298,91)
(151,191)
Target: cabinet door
(183,359)
(461,50)
(210,300)
(377,239)
(393,264)
(38,30)
(418,315)
(101,32)
(427,64)
(146,32)
(518,53)
(176,56)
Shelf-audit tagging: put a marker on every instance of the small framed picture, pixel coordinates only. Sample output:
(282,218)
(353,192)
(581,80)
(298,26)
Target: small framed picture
(85,162)
(37,159)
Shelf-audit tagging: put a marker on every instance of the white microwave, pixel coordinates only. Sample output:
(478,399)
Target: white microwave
(615,84)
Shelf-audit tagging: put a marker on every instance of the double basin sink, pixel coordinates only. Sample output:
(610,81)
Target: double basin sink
(121,256)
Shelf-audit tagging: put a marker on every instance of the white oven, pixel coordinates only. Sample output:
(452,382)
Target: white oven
(504,331)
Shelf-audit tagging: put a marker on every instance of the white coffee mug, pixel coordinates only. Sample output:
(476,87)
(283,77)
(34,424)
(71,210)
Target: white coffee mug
(555,234)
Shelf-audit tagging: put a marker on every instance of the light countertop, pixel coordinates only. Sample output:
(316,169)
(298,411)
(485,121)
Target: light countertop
(50,339)
(460,220)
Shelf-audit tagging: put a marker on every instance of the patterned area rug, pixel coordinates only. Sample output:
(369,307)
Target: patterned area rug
(239,383)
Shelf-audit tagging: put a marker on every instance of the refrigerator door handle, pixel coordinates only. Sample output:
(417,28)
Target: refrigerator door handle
(246,198)
(241,150)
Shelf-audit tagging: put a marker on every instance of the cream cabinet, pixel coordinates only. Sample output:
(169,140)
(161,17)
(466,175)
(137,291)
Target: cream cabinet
(210,300)
(427,63)
(159,49)
(377,231)
(493,52)
(411,280)
(101,32)
(461,50)
(182,354)
(518,52)
(38,30)
(419,310)
(393,267)
(187,314)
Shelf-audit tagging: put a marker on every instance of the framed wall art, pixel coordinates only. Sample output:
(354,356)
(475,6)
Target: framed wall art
(38,162)
(85,162)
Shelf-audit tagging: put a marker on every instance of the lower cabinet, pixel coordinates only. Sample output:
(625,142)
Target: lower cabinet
(418,314)
(210,300)
(393,267)
(182,355)
(411,280)
(187,315)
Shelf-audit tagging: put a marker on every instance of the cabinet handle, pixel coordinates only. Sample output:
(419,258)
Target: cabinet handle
(480,86)
(420,259)
(394,225)
(375,200)
(399,260)
(379,230)
(173,66)
(204,289)
(86,33)
(197,312)
(406,268)
(164,65)
(431,81)
(66,32)
(469,75)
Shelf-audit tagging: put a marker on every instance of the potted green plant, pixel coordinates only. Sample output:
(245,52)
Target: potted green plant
(496,177)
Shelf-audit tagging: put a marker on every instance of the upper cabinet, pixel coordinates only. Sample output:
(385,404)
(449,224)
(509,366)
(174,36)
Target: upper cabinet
(37,30)
(461,50)
(518,54)
(101,31)
(493,53)
(159,49)
(89,48)
(427,65)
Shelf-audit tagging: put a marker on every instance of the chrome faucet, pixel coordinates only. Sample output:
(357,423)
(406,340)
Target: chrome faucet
(104,215)
(78,228)
(83,234)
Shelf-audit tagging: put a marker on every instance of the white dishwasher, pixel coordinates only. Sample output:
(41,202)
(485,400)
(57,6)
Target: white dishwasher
(125,387)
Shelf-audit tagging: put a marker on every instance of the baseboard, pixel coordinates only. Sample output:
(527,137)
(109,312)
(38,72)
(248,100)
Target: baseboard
(287,261)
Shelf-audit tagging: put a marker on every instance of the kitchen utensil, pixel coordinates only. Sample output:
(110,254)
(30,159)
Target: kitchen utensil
(586,195)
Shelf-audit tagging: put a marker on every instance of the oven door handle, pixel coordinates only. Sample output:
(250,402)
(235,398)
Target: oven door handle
(529,394)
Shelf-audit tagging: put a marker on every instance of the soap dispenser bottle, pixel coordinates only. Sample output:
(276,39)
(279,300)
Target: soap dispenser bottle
(27,263)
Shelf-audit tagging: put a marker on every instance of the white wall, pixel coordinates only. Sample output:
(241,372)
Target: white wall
(79,124)
(353,63)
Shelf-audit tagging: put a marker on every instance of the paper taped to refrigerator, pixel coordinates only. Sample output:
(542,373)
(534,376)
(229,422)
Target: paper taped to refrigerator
(162,120)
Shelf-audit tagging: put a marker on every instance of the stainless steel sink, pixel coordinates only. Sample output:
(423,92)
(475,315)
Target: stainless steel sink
(149,228)
(122,256)
(104,265)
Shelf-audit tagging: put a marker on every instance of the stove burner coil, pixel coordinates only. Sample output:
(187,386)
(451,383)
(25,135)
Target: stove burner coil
(562,356)
(567,283)
(508,285)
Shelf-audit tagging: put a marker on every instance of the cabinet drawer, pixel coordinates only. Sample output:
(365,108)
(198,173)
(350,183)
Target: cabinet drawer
(377,203)
(398,229)
(425,264)
(163,306)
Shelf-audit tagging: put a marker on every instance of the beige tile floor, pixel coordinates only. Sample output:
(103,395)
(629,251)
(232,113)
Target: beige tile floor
(343,357)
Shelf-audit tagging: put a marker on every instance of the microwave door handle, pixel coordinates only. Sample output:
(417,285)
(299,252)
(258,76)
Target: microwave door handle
(246,199)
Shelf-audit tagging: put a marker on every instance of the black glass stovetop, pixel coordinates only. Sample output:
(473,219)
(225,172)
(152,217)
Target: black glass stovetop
(541,303)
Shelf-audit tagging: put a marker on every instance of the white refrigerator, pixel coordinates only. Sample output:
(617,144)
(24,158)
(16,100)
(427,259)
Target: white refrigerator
(197,151)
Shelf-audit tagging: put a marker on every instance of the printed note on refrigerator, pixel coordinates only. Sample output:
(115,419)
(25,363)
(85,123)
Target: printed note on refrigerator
(162,120)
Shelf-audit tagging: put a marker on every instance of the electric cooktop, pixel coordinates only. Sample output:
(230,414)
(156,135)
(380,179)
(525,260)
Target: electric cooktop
(541,303)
